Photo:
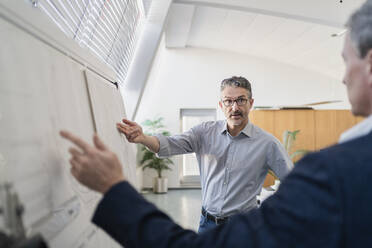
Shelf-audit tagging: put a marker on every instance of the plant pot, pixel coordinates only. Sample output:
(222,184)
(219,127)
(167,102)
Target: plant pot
(160,185)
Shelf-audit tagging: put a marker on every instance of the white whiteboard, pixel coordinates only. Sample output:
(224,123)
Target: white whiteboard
(41,92)
(106,114)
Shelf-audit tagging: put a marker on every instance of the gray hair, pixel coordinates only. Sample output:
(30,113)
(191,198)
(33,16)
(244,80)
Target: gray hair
(237,82)
(360,25)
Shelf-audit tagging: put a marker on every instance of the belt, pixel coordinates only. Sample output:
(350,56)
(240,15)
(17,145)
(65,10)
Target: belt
(215,219)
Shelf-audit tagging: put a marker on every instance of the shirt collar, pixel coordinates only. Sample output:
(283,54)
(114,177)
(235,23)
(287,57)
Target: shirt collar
(247,130)
(361,129)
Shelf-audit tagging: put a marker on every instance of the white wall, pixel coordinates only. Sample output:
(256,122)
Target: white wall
(189,78)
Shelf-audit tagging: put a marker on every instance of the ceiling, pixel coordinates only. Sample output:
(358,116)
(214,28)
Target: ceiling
(294,32)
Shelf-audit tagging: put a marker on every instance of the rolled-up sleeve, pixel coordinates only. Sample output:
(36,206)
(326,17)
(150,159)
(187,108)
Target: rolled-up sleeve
(187,142)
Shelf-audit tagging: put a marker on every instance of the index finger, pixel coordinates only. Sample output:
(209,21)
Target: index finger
(130,123)
(74,139)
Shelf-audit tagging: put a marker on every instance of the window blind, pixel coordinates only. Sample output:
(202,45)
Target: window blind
(106,27)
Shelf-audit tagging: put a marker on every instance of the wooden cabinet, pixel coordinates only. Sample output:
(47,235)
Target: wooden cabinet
(318,128)
(329,124)
(291,120)
(264,119)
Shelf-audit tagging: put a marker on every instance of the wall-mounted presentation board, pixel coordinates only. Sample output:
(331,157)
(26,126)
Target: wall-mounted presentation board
(41,92)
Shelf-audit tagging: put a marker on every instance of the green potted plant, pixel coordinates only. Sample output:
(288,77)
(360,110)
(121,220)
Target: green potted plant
(288,140)
(149,159)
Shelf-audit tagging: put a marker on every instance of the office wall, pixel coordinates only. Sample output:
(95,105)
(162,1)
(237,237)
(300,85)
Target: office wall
(189,78)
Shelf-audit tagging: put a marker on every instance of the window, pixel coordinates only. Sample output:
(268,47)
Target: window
(107,28)
(189,119)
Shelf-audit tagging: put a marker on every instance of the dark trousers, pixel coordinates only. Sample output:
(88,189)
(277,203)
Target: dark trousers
(205,224)
(208,221)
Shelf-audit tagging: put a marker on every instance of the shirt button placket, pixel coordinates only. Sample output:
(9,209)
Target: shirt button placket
(227,170)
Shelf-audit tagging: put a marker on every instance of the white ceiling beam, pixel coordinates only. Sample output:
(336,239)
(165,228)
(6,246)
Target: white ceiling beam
(135,82)
(244,6)
(178,25)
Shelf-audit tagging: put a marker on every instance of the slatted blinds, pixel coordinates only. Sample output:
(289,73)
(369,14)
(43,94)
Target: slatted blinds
(106,27)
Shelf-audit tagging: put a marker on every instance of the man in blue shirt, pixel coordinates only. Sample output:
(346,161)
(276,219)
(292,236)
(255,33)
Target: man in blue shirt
(324,202)
(233,155)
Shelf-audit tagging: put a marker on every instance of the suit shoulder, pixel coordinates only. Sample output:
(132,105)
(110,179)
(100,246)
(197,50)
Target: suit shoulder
(356,146)
(345,158)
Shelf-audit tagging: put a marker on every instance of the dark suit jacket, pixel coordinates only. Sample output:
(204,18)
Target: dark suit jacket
(326,201)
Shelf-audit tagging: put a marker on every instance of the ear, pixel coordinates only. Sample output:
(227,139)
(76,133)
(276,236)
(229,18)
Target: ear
(368,59)
(251,101)
(220,103)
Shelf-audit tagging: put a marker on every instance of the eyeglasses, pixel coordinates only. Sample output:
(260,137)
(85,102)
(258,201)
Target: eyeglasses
(239,102)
